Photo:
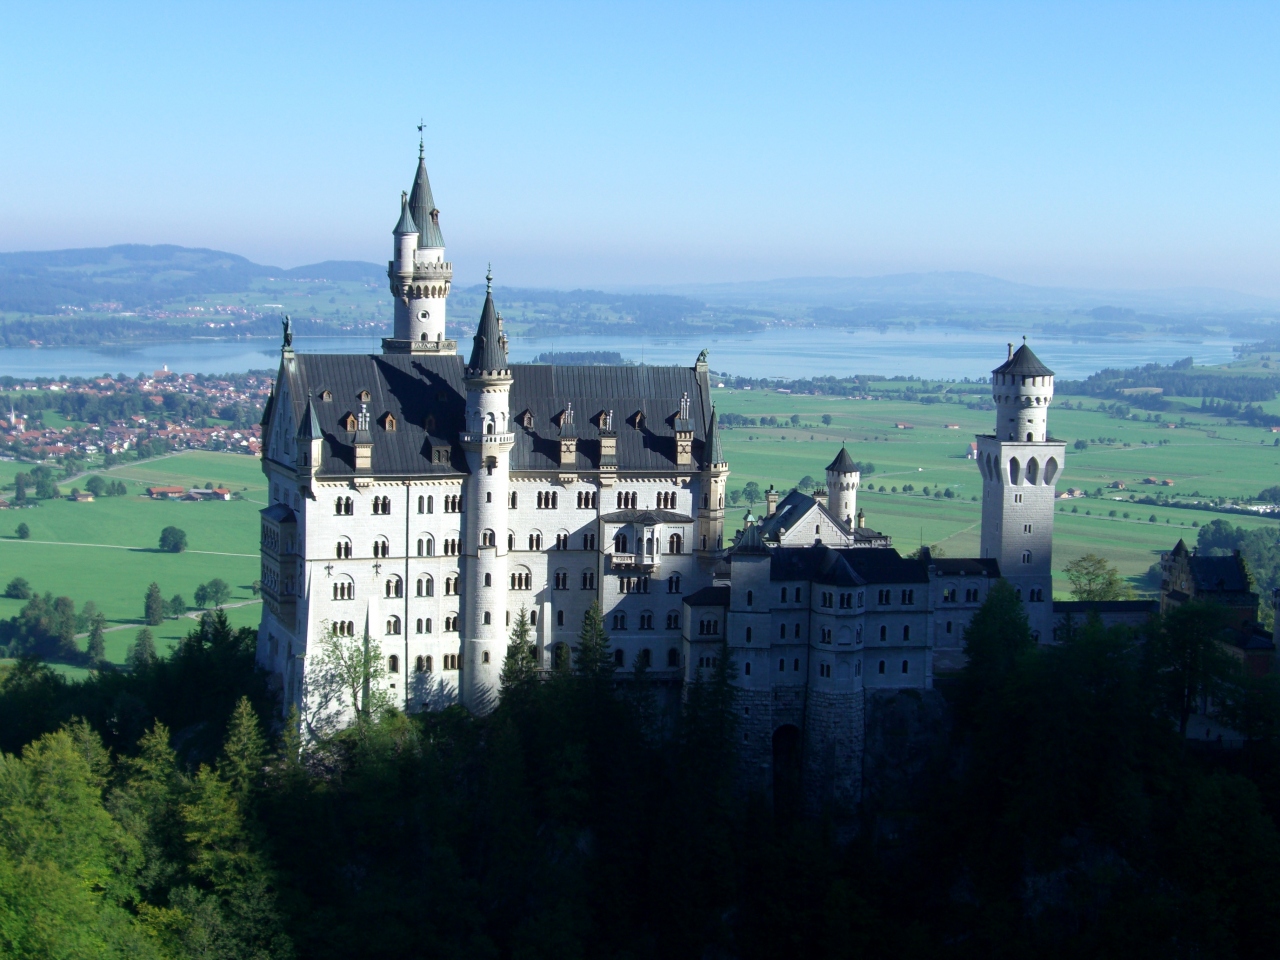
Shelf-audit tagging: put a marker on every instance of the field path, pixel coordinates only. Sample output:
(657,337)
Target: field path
(190,614)
(123,546)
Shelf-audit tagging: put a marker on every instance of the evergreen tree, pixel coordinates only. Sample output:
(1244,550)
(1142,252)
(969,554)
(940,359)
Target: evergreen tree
(97,640)
(1187,664)
(154,606)
(519,669)
(244,753)
(143,652)
(594,658)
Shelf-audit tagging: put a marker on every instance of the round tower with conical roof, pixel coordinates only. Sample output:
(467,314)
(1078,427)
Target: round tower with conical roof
(843,478)
(488,440)
(420,276)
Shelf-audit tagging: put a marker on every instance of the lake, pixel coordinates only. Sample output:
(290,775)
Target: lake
(928,351)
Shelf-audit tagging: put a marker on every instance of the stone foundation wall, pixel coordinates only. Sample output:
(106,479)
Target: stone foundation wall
(834,734)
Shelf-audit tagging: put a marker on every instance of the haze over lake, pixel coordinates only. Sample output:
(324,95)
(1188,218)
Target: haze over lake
(792,353)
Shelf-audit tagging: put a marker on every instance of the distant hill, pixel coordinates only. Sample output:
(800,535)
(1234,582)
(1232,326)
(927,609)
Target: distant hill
(135,275)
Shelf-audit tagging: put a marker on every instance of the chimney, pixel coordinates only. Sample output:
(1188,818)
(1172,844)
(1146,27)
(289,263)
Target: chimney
(1010,357)
(862,519)
(770,501)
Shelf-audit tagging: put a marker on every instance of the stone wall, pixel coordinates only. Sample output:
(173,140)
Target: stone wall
(833,748)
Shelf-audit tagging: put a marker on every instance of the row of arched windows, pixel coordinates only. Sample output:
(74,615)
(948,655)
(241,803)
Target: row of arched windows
(343,506)
(666,500)
(548,500)
(382,506)
(627,500)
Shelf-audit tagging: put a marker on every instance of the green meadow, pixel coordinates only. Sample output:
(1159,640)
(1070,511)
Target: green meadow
(106,551)
(1206,455)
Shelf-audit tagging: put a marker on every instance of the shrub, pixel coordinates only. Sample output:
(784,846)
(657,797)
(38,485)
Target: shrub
(18,589)
(23,532)
(173,540)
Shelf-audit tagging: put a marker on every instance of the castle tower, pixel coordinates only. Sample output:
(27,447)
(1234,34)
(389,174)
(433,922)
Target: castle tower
(715,476)
(1020,465)
(419,274)
(487,441)
(843,478)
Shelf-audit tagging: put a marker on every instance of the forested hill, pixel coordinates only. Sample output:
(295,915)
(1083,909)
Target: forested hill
(132,276)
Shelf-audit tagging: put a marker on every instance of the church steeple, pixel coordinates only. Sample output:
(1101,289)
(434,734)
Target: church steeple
(489,346)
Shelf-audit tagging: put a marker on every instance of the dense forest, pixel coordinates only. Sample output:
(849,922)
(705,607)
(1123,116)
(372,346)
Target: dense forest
(161,813)
(1177,379)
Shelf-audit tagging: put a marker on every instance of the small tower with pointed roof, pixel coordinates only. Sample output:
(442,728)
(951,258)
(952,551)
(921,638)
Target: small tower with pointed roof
(715,477)
(843,478)
(487,440)
(420,276)
(1020,465)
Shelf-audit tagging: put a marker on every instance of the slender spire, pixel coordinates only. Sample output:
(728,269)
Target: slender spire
(422,206)
(488,280)
(489,347)
(713,440)
(309,428)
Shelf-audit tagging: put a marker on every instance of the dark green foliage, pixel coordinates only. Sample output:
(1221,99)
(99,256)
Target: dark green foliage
(45,627)
(142,653)
(18,589)
(213,594)
(97,647)
(153,606)
(176,606)
(23,532)
(1260,549)
(173,540)
(751,492)
(519,668)
(592,658)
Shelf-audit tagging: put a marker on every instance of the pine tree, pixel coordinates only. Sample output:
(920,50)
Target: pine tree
(97,640)
(519,669)
(244,753)
(996,638)
(154,609)
(143,652)
(594,659)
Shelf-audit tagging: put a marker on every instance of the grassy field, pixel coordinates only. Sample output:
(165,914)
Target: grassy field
(106,551)
(1205,455)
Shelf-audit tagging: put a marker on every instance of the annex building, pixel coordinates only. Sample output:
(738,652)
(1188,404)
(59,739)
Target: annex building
(424,496)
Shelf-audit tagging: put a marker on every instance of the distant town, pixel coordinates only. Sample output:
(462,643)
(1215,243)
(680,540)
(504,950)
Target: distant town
(110,419)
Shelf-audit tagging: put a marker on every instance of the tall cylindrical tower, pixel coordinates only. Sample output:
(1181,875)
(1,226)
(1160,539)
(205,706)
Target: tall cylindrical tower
(487,441)
(843,478)
(1022,393)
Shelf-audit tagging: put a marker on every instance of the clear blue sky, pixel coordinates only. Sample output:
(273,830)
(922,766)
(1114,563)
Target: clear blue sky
(1125,145)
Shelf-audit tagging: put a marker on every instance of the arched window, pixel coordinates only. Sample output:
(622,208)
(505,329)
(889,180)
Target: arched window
(782,665)
(489,539)
(750,597)
(857,669)
(426,586)
(393,626)
(420,665)
(487,619)
(884,633)
(673,583)
(795,665)
(1015,470)
(748,634)
(675,543)
(746,668)
(906,665)
(393,663)
(906,633)
(620,542)
(673,658)
(782,631)
(488,580)
(796,632)
(882,666)
(394,587)
(344,549)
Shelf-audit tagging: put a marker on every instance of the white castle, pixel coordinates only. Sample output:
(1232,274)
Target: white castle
(422,500)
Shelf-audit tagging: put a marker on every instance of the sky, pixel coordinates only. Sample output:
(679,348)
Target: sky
(1111,145)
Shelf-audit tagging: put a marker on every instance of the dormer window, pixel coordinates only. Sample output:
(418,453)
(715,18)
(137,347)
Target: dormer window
(637,419)
(326,395)
(388,423)
(349,423)
(526,419)
(364,396)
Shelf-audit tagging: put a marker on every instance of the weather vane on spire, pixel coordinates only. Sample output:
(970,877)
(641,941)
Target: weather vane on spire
(422,125)
(488,279)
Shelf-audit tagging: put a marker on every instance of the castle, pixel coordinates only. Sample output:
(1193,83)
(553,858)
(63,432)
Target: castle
(423,498)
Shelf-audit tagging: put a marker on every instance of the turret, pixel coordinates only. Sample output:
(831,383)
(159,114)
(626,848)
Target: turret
(420,276)
(1022,388)
(715,477)
(310,445)
(843,478)
(406,234)
(487,441)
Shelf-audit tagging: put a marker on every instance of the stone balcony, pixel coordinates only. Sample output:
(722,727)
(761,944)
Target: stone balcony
(435,347)
(635,561)
(494,442)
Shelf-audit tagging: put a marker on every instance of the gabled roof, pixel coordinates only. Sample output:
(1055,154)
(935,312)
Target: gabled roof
(843,463)
(430,388)
(1024,363)
(845,567)
(280,513)
(423,209)
(488,350)
(1219,574)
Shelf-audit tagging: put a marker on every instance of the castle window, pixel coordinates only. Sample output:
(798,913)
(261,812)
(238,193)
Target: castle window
(882,666)
(388,423)
(906,633)
(562,580)
(620,542)
(450,661)
(675,544)
(588,580)
(750,596)
(619,621)
(559,618)
(364,396)
(748,634)
(326,396)
(535,541)
(420,663)
(393,663)
(393,626)
(489,538)
(1026,528)
(857,669)
(782,665)
(488,580)
(344,549)
(646,621)
(381,548)
(746,668)
(395,587)
(782,631)
(1026,556)
(795,665)
(484,657)
(618,659)
(908,597)
(487,618)
(948,626)
(906,666)
(673,620)
(784,594)
(884,634)
(562,541)
(349,423)
(796,632)
(451,626)
(673,657)
(673,583)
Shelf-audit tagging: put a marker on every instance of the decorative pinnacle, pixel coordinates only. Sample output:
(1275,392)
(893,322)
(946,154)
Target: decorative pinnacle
(421,126)
(488,279)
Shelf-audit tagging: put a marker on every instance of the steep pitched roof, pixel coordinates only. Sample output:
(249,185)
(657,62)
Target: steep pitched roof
(488,350)
(405,224)
(1219,574)
(423,208)
(843,463)
(309,426)
(716,449)
(851,568)
(427,397)
(1024,363)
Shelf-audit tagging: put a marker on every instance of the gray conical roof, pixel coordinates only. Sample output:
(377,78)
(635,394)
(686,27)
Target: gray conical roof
(309,428)
(716,454)
(405,224)
(843,463)
(750,541)
(423,209)
(489,350)
(1024,363)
